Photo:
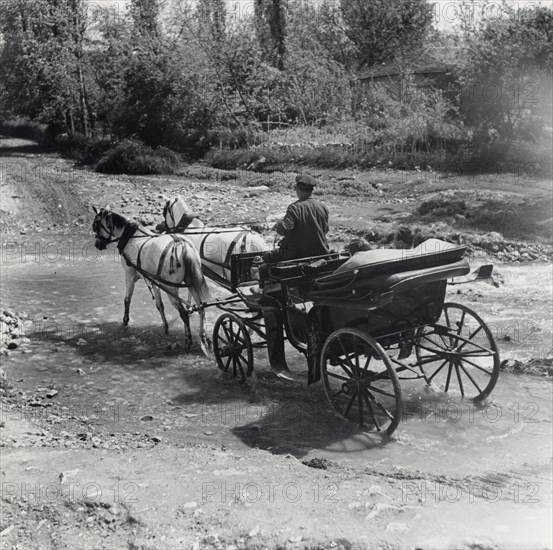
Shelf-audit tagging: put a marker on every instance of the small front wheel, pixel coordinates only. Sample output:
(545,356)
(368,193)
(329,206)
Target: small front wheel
(232,346)
(360,380)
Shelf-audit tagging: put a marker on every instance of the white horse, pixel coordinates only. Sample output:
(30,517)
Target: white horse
(216,245)
(166,262)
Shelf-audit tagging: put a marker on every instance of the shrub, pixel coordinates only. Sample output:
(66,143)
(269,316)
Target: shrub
(440,208)
(133,157)
(23,129)
(86,150)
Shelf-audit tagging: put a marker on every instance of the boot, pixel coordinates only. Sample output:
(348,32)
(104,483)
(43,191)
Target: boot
(275,341)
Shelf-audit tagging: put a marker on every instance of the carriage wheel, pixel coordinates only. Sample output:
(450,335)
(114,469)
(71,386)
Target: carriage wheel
(360,381)
(232,346)
(459,354)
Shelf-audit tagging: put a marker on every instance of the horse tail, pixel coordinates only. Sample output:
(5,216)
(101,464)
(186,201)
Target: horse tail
(193,275)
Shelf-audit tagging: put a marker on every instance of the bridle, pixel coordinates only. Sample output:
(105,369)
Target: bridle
(168,208)
(99,224)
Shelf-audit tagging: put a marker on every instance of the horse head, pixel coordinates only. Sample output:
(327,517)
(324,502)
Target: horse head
(107,226)
(174,210)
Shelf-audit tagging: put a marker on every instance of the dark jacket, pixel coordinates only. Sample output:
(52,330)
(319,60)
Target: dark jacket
(304,228)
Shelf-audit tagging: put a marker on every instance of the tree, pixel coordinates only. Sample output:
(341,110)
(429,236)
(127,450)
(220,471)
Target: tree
(43,67)
(271,30)
(506,76)
(382,30)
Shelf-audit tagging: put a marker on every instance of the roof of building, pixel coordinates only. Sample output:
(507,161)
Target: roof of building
(393,69)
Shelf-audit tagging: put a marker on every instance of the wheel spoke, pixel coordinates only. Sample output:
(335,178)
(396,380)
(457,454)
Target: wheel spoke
(228,362)
(382,392)
(470,338)
(470,378)
(360,406)
(345,369)
(459,380)
(334,375)
(356,355)
(438,370)
(379,405)
(436,344)
(461,323)
(371,411)
(350,404)
(346,356)
(477,366)
(447,318)
(448,378)
(229,337)
(240,367)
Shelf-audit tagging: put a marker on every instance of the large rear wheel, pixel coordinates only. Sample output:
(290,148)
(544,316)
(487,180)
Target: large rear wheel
(458,354)
(360,381)
(232,346)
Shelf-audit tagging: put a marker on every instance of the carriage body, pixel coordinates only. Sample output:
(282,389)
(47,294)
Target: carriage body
(363,326)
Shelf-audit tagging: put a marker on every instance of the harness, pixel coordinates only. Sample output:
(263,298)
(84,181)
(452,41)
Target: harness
(128,234)
(241,236)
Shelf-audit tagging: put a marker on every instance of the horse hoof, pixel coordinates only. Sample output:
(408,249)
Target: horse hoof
(206,348)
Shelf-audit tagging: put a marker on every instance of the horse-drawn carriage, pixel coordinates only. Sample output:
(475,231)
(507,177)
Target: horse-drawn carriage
(364,323)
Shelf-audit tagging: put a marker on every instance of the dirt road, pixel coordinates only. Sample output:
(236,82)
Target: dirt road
(113,437)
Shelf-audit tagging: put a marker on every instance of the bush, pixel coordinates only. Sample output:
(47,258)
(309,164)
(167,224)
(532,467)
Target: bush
(529,218)
(440,208)
(86,150)
(133,157)
(23,129)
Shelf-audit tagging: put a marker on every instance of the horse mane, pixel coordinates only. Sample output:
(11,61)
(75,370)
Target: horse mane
(121,222)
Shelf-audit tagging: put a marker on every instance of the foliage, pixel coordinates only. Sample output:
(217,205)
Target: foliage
(279,83)
(271,29)
(132,157)
(381,29)
(506,77)
(42,65)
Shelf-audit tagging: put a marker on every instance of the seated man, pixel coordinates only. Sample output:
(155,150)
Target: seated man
(304,228)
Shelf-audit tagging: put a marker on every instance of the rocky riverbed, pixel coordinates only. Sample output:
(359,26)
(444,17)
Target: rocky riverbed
(114,437)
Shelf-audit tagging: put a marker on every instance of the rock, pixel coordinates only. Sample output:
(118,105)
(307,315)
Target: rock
(156,439)
(82,342)
(495,236)
(52,393)
(188,505)
(14,344)
(256,191)
(80,371)
(147,418)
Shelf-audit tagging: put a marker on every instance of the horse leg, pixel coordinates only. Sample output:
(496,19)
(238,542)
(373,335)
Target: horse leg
(131,276)
(185,319)
(205,341)
(160,308)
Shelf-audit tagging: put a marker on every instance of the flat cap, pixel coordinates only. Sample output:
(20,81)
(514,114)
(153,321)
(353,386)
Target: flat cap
(306,181)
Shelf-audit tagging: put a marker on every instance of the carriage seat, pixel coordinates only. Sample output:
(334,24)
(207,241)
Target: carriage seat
(381,269)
